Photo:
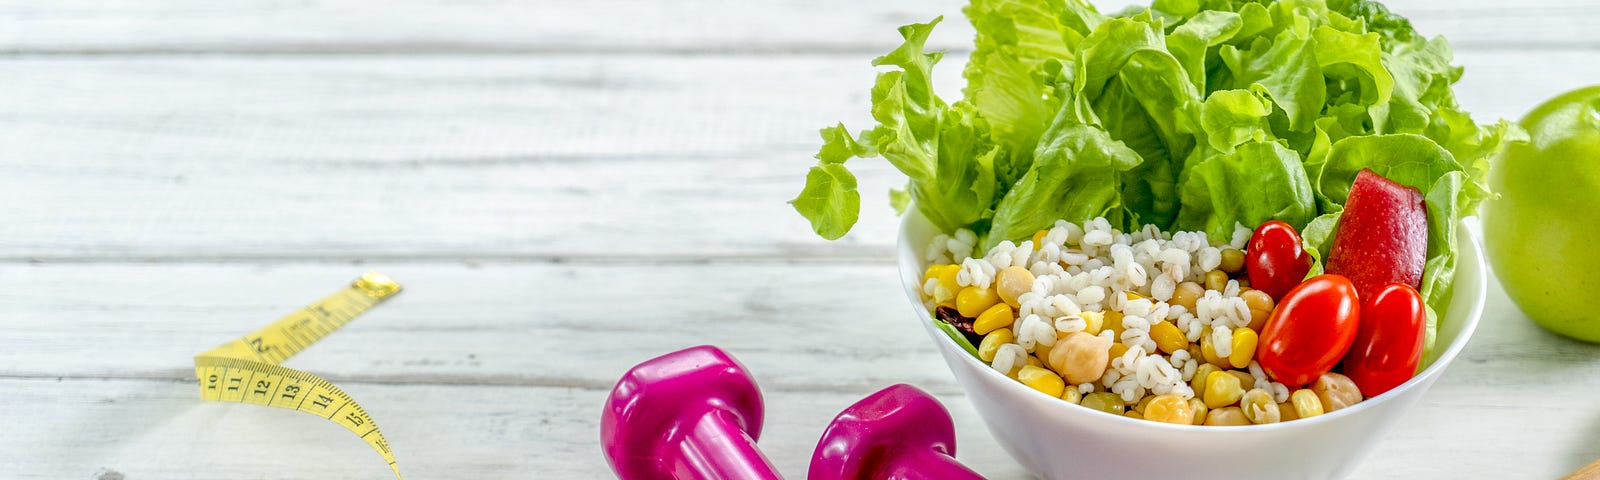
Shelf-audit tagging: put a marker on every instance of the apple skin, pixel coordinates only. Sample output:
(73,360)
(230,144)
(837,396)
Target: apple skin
(1382,236)
(1543,233)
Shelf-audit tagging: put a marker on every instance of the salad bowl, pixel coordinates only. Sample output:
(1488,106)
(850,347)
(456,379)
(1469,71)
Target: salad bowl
(1057,440)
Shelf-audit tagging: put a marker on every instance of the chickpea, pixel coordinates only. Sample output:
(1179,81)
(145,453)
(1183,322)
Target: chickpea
(1080,357)
(1104,401)
(1232,260)
(1246,381)
(1169,408)
(1336,391)
(1216,280)
(1012,282)
(1186,294)
(1258,407)
(1286,412)
(1229,416)
(1260,307)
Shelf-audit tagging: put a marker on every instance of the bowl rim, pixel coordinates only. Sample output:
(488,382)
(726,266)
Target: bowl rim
(1469,231)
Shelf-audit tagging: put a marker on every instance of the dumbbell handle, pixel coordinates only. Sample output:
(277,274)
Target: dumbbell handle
(717,449)
(928,465)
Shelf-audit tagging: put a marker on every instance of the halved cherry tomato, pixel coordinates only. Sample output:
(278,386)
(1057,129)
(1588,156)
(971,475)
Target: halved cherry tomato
(1388,344)
(1310,330)
(1275,259)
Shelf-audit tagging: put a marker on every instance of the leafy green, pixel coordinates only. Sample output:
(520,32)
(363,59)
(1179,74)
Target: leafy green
(1187,114)
(1259,181)
(956,335)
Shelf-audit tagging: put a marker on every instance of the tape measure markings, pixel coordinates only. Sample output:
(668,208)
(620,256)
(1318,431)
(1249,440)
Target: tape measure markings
(246,370)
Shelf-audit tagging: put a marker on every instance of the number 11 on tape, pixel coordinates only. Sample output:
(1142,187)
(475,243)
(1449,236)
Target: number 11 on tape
(247,371)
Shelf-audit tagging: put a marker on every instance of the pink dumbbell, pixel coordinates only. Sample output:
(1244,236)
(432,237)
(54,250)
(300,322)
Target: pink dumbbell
(899,433)
(689,414)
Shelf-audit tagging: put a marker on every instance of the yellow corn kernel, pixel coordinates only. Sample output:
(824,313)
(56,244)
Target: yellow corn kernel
(1169,408)
(1117,349)
(1222,390)
(1259,407)
(1035,362)
(1038,238)
(1104,401)
(1306,403)
(995,318)
(1200,411)
(1198,382)
(1011,283)
(1095,321)
(1167,337)
(1071,394)
(1210,352)
(991,343)
(972,301)
(1132,295)
(1041,379)
(1244,348)
(937,271)
(1113,321)
(1133,414)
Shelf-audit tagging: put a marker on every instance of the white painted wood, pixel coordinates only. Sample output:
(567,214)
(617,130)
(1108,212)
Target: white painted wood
(1513,406)
(611,26)
(471,158)
(566,188)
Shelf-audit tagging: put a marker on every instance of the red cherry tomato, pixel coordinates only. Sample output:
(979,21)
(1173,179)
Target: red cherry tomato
(1310,330)
(1275,259)
(1388,345)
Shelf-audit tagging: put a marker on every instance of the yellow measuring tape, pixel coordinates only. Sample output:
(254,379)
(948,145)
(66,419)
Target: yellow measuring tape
(246,370)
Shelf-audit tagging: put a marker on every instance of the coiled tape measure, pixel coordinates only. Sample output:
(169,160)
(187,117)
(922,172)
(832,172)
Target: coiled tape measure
(247,371)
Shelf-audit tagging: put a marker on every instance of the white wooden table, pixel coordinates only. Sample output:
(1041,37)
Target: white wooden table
(565,189)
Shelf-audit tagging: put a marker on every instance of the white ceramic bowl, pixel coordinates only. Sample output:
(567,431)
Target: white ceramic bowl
(1054,439)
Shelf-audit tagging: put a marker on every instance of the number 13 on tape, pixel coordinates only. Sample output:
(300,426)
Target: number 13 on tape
(247,371)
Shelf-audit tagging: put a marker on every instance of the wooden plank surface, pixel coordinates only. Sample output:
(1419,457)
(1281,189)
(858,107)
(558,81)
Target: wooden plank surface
(566,189)
(455,372)
(520,157)
(696,27)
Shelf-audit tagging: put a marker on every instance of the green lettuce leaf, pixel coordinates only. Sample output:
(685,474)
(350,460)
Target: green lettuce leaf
(1257,182)
(1076,174)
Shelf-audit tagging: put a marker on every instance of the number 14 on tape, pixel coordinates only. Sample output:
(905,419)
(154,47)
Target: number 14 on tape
(247,371)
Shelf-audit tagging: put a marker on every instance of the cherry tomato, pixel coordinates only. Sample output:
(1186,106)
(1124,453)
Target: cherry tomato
(1310,330)
(1388,344)
(1275,259)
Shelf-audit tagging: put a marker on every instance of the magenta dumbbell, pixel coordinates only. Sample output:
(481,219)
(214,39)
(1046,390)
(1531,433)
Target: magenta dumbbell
(690,414)
(899,433)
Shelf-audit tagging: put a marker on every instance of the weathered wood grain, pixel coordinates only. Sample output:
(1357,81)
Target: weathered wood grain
(473,367)
(1506,410)
(545,157)
(322,27)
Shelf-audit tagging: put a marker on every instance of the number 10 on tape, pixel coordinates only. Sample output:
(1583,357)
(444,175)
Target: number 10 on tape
(247,371)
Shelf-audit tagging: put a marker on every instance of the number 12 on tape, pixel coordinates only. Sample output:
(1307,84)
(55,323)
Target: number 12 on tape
(247,371)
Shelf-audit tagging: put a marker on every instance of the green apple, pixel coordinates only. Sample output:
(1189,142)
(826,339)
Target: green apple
(1543,232)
